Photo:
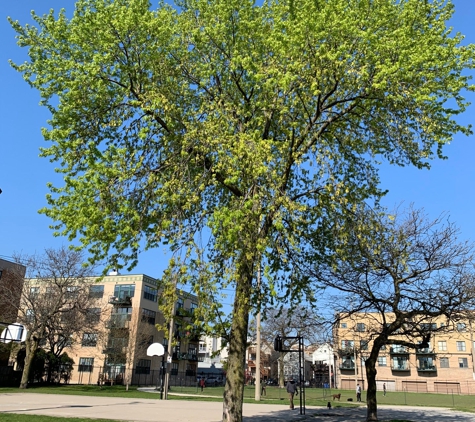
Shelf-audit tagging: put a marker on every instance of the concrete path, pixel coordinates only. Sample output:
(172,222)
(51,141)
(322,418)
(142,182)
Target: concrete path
(151,410)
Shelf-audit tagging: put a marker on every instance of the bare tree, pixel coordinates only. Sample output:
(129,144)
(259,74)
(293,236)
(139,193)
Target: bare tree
(402,270)
(287,323)
(55,305)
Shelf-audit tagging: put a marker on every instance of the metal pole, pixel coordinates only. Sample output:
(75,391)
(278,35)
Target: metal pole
(257,393)
(162,376)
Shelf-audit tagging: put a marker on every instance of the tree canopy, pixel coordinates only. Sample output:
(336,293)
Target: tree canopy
(228,129)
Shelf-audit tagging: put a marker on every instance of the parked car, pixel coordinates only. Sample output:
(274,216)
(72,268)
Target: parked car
(214,381)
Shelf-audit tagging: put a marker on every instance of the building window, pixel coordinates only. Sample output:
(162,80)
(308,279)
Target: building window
(89,340)
(442,345)
(143,366)
(122,291)
(94,315)
(150,293)
(460,346)
(364,344)
(428,327)
(347,344)
(72,292)
(30,315)
(34,291)
(463,363)
(343,325)
(461,326)
(382,361)
(360,327)
(383,347)
(86,364)
(148,316)
(193,307)
(96,291)
(444,362)
(174,370)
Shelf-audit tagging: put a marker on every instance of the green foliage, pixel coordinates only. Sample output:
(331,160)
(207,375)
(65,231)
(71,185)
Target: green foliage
(245,123)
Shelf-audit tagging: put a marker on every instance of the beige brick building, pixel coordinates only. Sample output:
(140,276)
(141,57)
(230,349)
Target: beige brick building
(114,349)
(446,366)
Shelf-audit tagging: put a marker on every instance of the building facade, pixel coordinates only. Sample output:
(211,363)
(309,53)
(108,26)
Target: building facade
(444,365)
(114,348)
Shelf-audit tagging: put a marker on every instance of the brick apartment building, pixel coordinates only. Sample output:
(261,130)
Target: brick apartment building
(114,349)
(446,366)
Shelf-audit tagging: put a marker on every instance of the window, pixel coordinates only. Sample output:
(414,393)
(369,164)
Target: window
(444,362)
(360,327)
(72,292)
(179,303)
(428,327)
(344,325)
(148,316)
(461,326)
(463,363)
(363,344)
(383,347)
(143,366)
(382,361)
(86,364)
(193,307)
(94,314)
(442,345)
(96,291)
(174,370)
(460,346)
(89,340)
(34,291)
(347,344)
(165,343)
(122,291)
(150,293)
(30,315)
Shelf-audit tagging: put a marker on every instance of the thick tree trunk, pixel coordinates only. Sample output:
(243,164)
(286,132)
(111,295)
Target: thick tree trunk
(234,388)
(372,405)
(281,371)
(31,347)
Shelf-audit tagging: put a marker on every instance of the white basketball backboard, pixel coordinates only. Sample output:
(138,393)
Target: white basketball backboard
(13,332)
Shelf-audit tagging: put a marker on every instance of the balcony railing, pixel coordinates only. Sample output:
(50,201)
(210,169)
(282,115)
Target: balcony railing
(400,350)
(425,352)
(404,367)
(120,300)
(427,368)
(347,366)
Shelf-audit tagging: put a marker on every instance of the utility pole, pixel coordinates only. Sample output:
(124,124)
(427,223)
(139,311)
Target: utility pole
(257,393)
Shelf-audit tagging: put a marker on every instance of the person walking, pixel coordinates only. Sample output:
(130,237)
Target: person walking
(263,388)
(291,389)
(358,392)
(384,388)
(202,383)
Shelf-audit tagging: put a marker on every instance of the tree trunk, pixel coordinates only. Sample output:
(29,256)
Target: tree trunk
(31,347)
(234,388)
(371,403)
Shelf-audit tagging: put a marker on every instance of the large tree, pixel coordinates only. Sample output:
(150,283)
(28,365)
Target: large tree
(246,124)
(402,273)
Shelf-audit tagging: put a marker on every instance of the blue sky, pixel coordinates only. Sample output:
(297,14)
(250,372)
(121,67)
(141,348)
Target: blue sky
(447,187)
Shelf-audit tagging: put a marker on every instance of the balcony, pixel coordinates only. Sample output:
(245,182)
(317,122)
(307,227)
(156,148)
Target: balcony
(398,350)
(120,300)
(425,352)
(401,367)
(347,366)
(118,321)
(427,368)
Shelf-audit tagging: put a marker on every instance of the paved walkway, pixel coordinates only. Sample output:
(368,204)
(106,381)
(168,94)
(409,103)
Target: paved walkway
(146,410)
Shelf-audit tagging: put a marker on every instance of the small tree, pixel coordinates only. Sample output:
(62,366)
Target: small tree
(54,302)
(406,270)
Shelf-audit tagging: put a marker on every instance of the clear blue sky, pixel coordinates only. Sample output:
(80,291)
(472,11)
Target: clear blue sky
(448,186)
